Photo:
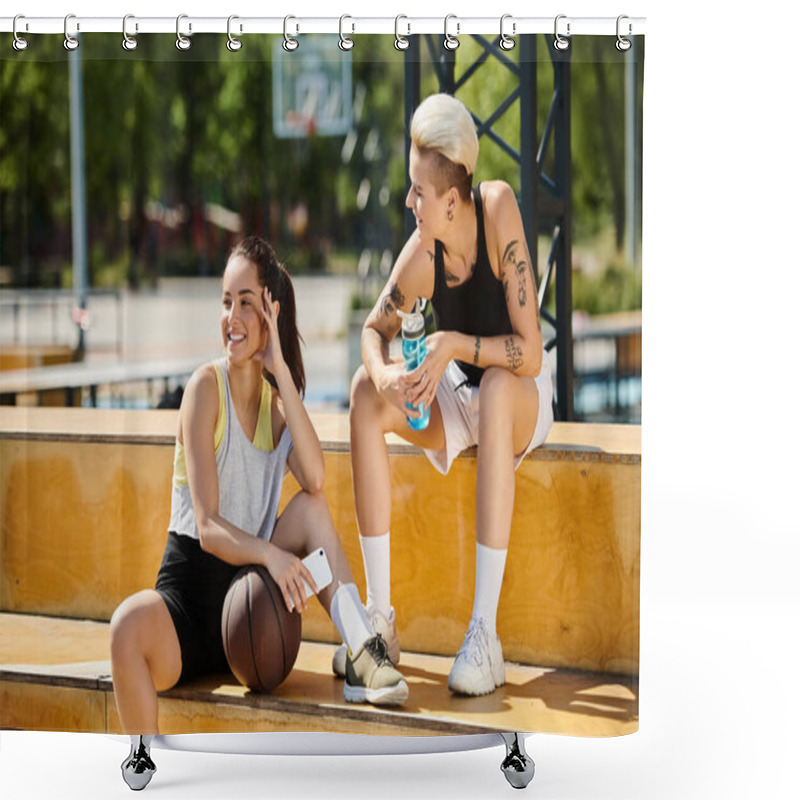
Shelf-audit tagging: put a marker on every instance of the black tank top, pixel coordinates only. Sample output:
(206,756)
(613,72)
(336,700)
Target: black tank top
(476,307)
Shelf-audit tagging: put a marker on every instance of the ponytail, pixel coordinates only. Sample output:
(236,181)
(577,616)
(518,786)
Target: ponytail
(273,276)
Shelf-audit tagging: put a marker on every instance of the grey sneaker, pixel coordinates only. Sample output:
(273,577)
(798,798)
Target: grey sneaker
(371,678)
(138,768)
(380,624)
(479,667)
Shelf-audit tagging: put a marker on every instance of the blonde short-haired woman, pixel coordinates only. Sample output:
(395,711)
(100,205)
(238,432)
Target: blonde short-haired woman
(486,376)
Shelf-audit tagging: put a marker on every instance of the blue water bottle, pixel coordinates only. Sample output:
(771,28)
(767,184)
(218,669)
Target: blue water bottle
(414,352)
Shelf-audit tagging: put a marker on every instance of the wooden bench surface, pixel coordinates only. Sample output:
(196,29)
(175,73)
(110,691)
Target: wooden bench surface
(55,675)
(85,505)
(611,442)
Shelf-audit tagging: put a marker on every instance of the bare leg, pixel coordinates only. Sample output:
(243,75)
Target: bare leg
(371,417)
(305,525)
(509,406)
(508,412)
(145,659)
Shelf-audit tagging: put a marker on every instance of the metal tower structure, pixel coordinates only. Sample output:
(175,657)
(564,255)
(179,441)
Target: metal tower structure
(545,199)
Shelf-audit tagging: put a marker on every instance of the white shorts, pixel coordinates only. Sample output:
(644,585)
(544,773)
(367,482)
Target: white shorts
(458,403)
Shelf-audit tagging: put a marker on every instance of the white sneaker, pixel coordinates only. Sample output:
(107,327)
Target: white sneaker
(380,624)
(479,667)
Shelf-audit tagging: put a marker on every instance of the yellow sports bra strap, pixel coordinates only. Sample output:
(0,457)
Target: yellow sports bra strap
(263,437)
(219,431)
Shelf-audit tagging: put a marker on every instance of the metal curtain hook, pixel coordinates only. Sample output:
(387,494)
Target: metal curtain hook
(234,44)
(289,44)
(623,44)
(182,43)
(70,42)
(400,42)
(128,42)
(19,43)
(560,43)
(451,42)
(345,42)
(506,42)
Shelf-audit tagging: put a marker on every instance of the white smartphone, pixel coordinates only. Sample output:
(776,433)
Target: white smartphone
(320,569)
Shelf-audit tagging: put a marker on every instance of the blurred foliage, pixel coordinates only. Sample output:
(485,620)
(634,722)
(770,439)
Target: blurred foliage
(167,133)
(616,288)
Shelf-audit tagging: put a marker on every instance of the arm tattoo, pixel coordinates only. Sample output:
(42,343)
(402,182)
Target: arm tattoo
(522,268)
(513,354)
(504,278)
(392,300)
(508,254)
(477,350)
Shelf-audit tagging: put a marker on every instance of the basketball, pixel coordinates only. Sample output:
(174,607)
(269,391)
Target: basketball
(260,635)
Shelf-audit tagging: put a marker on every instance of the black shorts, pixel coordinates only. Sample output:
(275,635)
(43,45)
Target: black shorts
(193,584)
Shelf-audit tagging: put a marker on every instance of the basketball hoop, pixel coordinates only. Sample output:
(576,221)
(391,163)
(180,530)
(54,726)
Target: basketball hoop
(312,96)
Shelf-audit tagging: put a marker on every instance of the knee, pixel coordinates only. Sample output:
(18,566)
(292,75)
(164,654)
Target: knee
(363,395)
(495,408)
(131,627)
(314,516)
(313,506)
(123,632)
(495,385)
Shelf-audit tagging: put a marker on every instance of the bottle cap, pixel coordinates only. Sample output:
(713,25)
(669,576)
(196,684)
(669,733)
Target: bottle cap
(413,322)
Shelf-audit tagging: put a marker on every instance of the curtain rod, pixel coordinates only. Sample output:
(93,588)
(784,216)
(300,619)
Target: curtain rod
(452,25)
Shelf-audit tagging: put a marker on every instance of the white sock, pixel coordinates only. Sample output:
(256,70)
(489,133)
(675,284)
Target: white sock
(375,550)
(490,565)
(349,617)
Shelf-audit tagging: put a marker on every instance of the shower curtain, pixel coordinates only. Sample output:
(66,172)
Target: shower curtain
(127,174)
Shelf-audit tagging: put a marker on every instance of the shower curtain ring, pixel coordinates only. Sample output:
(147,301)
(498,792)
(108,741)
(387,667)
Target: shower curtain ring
(289,44)
(506,42)
(345,42)
(560,42)
(451,42)
(400,42)
(234,44)
(623,44)
(70,42)
(182,42)
(128,42)
(19,43)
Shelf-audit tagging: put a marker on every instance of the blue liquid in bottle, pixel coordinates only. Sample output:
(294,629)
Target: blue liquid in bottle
(414,352)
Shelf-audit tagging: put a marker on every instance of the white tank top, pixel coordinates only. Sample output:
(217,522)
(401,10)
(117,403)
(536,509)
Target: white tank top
(250,478)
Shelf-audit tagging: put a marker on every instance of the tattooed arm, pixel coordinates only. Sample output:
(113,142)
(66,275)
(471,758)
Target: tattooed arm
(412,277)
(521,351)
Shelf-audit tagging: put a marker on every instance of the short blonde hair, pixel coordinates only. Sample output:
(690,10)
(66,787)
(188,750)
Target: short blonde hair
(443,125)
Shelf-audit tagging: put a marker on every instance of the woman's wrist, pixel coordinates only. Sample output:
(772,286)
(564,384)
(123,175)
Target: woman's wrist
(266,557)
(282,374)
(453,345)
(459,346)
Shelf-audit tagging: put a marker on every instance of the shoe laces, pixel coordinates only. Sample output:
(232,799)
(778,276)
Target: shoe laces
(476,642)
(376,646)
